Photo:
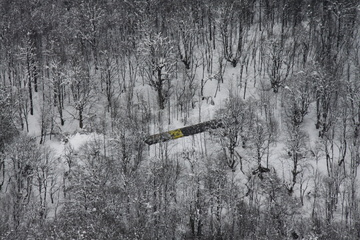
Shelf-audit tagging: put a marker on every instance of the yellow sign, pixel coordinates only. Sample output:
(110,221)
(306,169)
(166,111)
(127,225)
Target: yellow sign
(176,134)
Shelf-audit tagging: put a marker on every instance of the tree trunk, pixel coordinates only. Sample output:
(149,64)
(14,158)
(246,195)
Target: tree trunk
(81,123)
(61,102)
(31,98)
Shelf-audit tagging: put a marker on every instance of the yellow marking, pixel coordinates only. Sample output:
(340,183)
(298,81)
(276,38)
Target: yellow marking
(176,134)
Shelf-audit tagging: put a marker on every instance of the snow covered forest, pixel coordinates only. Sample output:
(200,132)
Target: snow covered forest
(84,83)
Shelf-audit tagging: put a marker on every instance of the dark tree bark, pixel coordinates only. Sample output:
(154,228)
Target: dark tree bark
(30,88)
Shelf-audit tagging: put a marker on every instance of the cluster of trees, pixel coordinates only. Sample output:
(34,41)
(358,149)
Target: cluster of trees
(90,61)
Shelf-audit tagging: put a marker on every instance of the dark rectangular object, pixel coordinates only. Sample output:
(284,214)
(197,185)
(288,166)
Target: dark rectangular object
(183,132)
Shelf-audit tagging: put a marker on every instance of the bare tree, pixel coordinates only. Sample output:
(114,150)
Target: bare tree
(352,124)
(298,99)
(8,129)
(236,118)
(278,64)
(234,19)
(58,85)
(21,162)
(327,88)
(159,62)
(81,87)
(186,37)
